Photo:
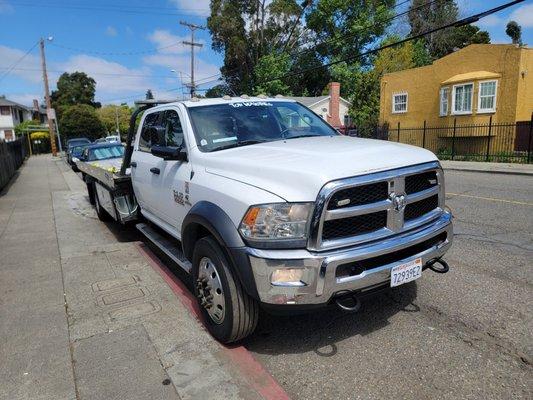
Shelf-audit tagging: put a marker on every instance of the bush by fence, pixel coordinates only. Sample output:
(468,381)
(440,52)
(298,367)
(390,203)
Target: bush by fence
(12,155)
(501,142)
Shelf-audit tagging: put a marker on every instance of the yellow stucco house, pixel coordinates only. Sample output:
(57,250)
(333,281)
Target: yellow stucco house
(465,88)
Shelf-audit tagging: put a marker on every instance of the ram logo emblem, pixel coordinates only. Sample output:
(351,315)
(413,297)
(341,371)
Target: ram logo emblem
(398,202)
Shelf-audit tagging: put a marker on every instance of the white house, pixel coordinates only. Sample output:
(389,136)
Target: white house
(333,108)
(12,114)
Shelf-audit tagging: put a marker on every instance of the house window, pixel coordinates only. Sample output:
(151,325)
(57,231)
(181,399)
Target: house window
(443,110)
(487,96)
(462,98)
(399,103)
(4,110)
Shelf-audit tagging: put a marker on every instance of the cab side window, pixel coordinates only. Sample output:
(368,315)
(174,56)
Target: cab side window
(150,131)
(173,136)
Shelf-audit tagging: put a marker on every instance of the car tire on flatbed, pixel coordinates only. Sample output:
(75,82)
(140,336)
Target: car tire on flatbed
(230,314)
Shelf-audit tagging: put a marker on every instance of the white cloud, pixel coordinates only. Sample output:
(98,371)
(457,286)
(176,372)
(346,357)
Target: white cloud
(523,15)
(182,63)
(28,68)
(112,79)
(198,7)
(168,42)
(111,31)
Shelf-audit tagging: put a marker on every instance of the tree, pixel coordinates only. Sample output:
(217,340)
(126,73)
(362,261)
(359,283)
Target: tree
(247,30)
(346,27)
(514,31)
(72,89)
(81,121)
(109,114)
(268,67)
(424,17)
(217,91)
(149,94)
(22,128)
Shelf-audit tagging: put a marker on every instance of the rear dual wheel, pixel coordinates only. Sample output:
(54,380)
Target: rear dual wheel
(230,314)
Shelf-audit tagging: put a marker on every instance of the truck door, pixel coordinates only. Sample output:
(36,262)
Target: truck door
(171,185)
(142,161)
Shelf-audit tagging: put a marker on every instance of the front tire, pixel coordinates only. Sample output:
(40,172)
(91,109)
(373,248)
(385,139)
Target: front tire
(230,314)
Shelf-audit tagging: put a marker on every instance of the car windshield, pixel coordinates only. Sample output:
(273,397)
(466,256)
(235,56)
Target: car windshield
(77,150)
(77,142)
(219,127)
(104,153)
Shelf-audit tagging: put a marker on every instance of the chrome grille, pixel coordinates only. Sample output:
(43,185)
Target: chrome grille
(339,228)
(370,207)
(359,195)
(419,208)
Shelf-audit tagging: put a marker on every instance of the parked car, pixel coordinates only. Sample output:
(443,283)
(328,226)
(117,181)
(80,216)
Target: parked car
(112,138)
(266,205)
(75,153)
(73,143)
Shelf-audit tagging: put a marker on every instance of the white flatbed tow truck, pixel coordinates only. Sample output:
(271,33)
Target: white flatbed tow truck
(266,205)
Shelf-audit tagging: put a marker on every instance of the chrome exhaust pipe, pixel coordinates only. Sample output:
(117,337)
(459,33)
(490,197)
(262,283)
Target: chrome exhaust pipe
(348,302)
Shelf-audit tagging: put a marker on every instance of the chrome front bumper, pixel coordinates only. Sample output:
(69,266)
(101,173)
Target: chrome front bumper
(319,281)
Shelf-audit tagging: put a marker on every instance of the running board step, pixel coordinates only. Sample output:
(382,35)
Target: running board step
(169,246)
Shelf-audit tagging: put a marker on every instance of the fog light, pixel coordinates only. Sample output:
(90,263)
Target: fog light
(287,277)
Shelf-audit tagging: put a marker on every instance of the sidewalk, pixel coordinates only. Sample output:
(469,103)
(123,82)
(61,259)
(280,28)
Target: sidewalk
(493,168)
(83,315)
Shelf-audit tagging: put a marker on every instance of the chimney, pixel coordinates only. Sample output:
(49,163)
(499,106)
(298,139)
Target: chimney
(35,105)
(334,104)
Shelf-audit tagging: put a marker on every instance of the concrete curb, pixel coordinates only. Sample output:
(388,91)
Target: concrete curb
(483,171)
(487,167)
(251,371)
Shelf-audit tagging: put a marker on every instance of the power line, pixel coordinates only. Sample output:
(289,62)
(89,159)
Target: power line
(460,22)
(125,53)
(18,61)
(110,8)
(94,73)
(362,29)
(368,27)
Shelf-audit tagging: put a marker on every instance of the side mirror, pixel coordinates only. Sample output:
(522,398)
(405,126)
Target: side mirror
(169,153)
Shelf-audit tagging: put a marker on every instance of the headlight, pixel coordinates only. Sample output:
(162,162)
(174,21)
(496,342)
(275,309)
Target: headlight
(276,221)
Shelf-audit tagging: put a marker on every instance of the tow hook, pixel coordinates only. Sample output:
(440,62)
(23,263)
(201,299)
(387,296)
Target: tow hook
(348,302)
(441,270)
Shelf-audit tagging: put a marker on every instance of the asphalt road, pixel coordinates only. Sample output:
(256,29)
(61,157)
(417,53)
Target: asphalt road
(464,334)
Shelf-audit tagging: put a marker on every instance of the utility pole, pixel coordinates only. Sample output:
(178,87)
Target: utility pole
(48,102)
(116,119)
(193,44)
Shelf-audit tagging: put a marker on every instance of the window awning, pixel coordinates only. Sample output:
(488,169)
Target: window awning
(471,76)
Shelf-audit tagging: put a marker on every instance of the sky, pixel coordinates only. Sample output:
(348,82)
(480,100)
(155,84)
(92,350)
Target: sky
(129,46)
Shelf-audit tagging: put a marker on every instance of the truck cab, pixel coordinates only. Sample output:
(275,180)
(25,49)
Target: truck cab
(266,205)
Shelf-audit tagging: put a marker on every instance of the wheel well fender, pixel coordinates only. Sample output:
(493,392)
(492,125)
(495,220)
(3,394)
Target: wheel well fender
(206,218)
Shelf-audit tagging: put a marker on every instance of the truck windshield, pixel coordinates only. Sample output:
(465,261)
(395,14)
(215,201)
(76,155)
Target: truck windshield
(222,126)
(104,153)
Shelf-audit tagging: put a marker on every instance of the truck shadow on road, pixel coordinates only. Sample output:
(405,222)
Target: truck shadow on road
(320,331)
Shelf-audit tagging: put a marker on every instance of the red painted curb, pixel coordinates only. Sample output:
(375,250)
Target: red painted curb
(242,360)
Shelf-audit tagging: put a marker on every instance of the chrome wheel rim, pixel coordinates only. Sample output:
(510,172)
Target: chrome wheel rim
(210,292)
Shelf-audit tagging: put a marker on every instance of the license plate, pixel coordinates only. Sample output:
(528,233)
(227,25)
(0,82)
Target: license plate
(407,272)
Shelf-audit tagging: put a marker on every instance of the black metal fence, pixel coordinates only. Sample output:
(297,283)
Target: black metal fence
(491,142)
(12,155)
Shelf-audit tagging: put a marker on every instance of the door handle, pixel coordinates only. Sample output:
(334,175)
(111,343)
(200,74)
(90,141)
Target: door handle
(133,164)
(155,170)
